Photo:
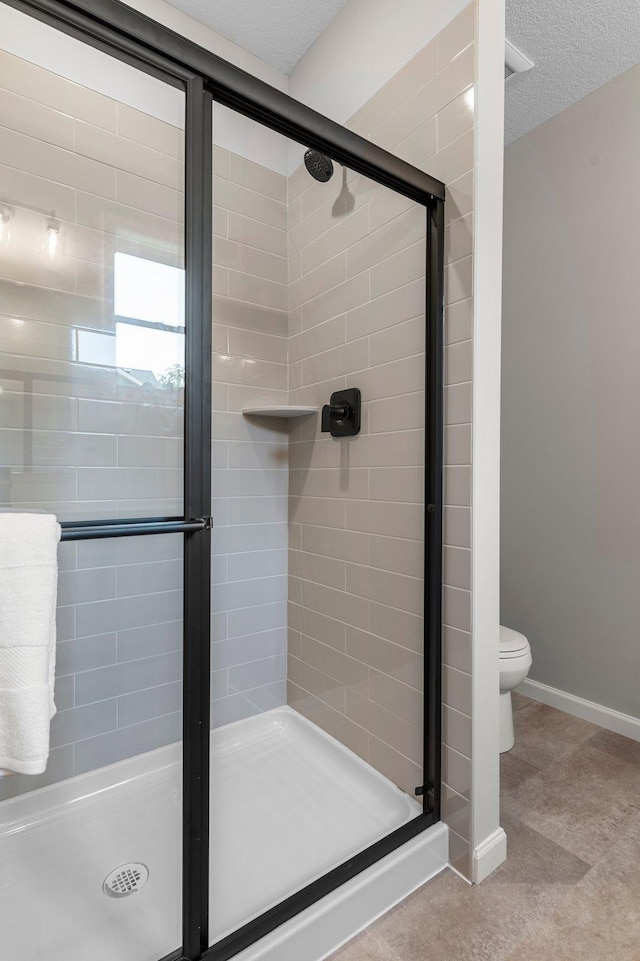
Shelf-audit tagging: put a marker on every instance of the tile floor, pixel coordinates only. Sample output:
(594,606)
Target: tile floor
(570,889)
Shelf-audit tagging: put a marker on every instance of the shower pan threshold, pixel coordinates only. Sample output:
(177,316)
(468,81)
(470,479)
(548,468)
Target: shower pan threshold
(289,802)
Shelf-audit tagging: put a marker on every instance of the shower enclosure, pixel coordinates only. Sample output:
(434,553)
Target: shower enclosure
(250,592)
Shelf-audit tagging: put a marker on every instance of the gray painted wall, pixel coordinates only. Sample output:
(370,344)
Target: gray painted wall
(571,396)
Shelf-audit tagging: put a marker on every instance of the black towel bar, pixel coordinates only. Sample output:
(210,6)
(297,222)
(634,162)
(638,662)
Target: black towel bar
(131,527)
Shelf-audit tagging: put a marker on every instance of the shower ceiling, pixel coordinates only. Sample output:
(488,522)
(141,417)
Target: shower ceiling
(277,31)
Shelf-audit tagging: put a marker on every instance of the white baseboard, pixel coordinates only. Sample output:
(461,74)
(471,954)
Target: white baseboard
(489,855)
(588,710)
(316,933)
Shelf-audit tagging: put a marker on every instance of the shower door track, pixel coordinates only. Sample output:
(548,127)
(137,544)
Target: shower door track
(122,32)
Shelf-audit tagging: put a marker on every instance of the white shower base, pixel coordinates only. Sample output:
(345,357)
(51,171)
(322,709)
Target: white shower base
(288,804)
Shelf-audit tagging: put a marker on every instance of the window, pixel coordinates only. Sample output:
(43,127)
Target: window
(148,291)
(149,309)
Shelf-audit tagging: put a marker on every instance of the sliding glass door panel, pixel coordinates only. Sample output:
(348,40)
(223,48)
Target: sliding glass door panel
(92,375)
(317,706)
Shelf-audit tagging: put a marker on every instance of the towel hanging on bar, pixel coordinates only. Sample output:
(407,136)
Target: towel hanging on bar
(28,593)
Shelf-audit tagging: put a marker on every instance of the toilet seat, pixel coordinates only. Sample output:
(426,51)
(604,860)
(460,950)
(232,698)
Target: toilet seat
(512,643)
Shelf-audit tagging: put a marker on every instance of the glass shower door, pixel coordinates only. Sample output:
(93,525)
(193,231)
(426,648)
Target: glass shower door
(92,371)
(317,699)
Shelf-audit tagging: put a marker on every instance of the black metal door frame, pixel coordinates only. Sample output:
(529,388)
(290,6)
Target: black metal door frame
(124,33)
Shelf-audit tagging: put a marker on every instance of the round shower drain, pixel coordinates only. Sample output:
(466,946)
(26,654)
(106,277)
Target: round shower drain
(125,880)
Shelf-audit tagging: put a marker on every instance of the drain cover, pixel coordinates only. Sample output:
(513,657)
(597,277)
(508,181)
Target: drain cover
(125,880)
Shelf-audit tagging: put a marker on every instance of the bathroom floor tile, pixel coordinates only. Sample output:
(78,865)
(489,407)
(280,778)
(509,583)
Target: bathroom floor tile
(544,734)
(514,772)
(457,922)
(583,802)
(616,744)
(535,859)
(599,918)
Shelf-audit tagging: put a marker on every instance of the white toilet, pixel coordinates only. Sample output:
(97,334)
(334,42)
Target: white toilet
(515,663)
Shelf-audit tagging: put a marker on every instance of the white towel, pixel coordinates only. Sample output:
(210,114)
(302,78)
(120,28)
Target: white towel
(28,591)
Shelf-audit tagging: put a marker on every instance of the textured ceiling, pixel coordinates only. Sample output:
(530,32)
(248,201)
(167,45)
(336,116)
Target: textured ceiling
(575,45)
(277,31)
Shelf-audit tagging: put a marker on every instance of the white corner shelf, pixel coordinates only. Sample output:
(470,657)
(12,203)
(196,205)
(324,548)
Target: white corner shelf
(282,411)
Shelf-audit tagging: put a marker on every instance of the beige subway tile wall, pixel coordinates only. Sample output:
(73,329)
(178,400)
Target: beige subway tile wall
(357,261)
(249,626)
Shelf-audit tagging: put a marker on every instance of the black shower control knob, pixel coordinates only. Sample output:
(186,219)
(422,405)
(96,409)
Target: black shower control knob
(334,412)
(341,416)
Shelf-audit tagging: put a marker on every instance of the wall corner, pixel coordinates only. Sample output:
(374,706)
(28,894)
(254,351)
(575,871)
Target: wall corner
(488,841)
